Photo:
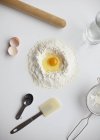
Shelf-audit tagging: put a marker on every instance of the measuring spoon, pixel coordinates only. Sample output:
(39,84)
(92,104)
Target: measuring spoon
(27,100)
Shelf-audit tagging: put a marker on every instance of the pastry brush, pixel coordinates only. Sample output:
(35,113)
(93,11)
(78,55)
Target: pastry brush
(46,109)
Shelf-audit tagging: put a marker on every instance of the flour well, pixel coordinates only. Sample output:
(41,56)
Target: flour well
(51,79)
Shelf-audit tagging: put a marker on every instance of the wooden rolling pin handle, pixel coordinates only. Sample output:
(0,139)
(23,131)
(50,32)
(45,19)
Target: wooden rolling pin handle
(33,11)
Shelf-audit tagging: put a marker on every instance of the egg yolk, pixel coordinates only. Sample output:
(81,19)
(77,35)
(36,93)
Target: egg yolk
(51,63)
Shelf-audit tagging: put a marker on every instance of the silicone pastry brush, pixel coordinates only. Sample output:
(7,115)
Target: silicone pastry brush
(46,109)
(36,12)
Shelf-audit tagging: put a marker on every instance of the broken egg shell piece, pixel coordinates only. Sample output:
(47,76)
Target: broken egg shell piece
(14,42)
(12,51)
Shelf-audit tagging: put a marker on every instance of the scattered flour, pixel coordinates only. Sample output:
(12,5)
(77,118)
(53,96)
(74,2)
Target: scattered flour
(51,79)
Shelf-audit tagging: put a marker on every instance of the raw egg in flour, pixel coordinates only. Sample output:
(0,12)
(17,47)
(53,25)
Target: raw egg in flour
(51,63)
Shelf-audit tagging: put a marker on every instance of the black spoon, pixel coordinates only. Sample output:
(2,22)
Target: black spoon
(27,100)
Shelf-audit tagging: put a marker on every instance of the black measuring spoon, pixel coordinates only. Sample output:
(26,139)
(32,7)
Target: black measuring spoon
(27,100)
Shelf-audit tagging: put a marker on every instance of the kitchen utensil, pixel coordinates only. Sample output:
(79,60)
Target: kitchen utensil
(27,100)
(91,107)
(33,11)
(46,109)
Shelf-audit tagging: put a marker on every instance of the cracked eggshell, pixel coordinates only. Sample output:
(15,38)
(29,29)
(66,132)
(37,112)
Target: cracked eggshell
(12,51)
(14,42)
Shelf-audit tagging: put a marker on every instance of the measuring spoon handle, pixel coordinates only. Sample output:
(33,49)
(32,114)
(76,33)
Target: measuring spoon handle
(85,121)
(20,112)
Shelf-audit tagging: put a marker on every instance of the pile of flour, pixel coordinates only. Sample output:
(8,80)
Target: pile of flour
(51,79)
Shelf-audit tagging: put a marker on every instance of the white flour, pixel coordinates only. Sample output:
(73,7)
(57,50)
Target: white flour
(51,79)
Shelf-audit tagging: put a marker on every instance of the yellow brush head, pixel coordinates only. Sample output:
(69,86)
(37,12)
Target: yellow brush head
(50,106)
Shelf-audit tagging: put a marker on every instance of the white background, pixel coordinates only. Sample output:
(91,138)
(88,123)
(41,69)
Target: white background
(15,80)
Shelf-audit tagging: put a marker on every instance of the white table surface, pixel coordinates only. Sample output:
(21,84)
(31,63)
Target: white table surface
(15,80)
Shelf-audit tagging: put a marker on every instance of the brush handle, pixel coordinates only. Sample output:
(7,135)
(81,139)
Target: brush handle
(22,125)
(33,11)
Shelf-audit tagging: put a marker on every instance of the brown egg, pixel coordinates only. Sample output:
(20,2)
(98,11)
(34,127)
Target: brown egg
(14,42)
(12,51)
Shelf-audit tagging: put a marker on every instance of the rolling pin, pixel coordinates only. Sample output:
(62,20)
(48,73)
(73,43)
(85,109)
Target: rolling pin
(35,12)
